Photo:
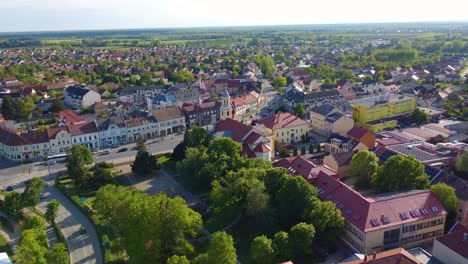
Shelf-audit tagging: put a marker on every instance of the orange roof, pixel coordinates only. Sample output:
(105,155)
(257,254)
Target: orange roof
(397,255)
(282,120)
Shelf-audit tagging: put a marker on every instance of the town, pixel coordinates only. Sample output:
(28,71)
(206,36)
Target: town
(287,146)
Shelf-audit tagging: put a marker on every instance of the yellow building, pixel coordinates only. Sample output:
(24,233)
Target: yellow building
(376,113)
(383,222)
(286,127)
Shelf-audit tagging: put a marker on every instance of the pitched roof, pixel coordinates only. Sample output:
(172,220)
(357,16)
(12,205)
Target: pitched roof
(52,132)
(343,157)
(282,120)
(305,168)
(440,129)
(69,116)
(168,113)
(10,137)
(398,255)
(357,132)
(82,128)
(262,148)
(455,241)
(381,211)
(323,109)
(239,130)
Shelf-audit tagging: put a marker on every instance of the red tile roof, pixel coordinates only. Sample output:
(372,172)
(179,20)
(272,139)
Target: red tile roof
(282,120)
(306,168)
(52,132)
(69,116)
(252,137)
(394,256)
(239,130)
(10,137)
(440,129)
(419,132)
(388,141)
(83,128)
(455,241)
(357,132)
(262,148)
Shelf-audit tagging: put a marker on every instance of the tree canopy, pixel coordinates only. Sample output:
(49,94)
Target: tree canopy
(389,177)
(221,249)
(363,164)
(446,195)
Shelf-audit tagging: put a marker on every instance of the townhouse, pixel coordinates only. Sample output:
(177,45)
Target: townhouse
(201,114)
(286,127)
(85,134)
(112,131)
(25,146)
(327,119)
(338,144)
(59,139)
(141,127)
(170,120)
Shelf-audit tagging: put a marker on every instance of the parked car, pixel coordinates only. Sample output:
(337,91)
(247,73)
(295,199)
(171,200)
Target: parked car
(82,230)
(122,150)
(9,188)
(106,152)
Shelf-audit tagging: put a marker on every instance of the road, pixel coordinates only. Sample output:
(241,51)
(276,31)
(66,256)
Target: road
(83,248)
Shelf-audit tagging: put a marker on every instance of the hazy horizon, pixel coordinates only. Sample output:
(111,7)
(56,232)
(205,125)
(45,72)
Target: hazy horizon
(69,15)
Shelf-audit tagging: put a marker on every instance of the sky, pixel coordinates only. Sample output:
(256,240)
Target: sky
(48,15)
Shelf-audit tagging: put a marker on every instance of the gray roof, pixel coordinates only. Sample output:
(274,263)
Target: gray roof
(324,109)
(418,151)
(77,91)
(105,123)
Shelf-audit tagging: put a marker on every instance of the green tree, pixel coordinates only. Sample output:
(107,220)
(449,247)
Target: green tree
(221,249)
(282,246)
(30,248)
(144,163)
(462,164)
(419,117)
(13,204)
(267,65)
(327,221)
(177,260)
(52,211)
(102,175)
(58,254)
(295,152)
(140,145)
(30,196)
(389,177)
(197,136)
(301,238)
(280,81)
(299,110)
(201,259)
(153,228)
(183,75)
(78,157)
(57,105)
(261,250)
(7,108)
(446,195)
(363,165)
(35,222)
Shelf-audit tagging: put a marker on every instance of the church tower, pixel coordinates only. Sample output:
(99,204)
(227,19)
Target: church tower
(226,109)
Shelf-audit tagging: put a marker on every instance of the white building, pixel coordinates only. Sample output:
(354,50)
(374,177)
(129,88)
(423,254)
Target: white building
(112,131)
(85,134)
(60,140)
(79,96)
(170,120)
(140,127)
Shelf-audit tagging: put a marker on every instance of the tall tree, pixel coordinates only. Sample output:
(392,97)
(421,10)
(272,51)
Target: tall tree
(389,177)
(419,117)
(52,211)
(197,136)
(363,165)
(327,221)
(77,159)
(301,238)
(31,250)
(58,254)
(7,108)
(30,196)
(446,195)
(282,246)
(221,249)
(13,204)
(299,110)
(280,81)
(261,250)
(57,105)
(267,65)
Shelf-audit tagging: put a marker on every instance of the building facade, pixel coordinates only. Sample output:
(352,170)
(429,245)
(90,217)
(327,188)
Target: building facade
(112,131)
(78,96)
(286,127)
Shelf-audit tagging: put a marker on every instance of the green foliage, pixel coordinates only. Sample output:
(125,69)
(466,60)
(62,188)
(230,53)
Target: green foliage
(57,105)
(77,159)
(267,66)
(32,247)
(153,228)
(52,211)
(177,260)
(301,238)
(201,259)
(327,220)
(363,165)
(197,137)
(13,204)
(35,222)
(419,117)
(261,250)
(221,249)
(401,56)
(299,110)
(388,178)
(183,75)
(7,107)
(462,164)
(282,246)
(280,81)
(144,163)
(30,196)
(446,195)
(58,254)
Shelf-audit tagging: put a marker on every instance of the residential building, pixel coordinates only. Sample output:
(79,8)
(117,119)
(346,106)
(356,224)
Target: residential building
(243,106)
(419,134)
(327,119)
(78,96)
(170,120)
(139,95)
(201,114)
(85,134)
(438,130)
(60,140)
(69,117)
(186,95)
(379,112)
(141,127)
(363,136)
(453,247)
(339,162)
(256,141)
(164,100)
(338,144)
(23,146)
(286,127)
(311,99)
(301,166)
(112,131)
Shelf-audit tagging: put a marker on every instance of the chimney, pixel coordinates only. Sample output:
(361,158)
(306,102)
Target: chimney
(465,237)
(374,256)
(365,257)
